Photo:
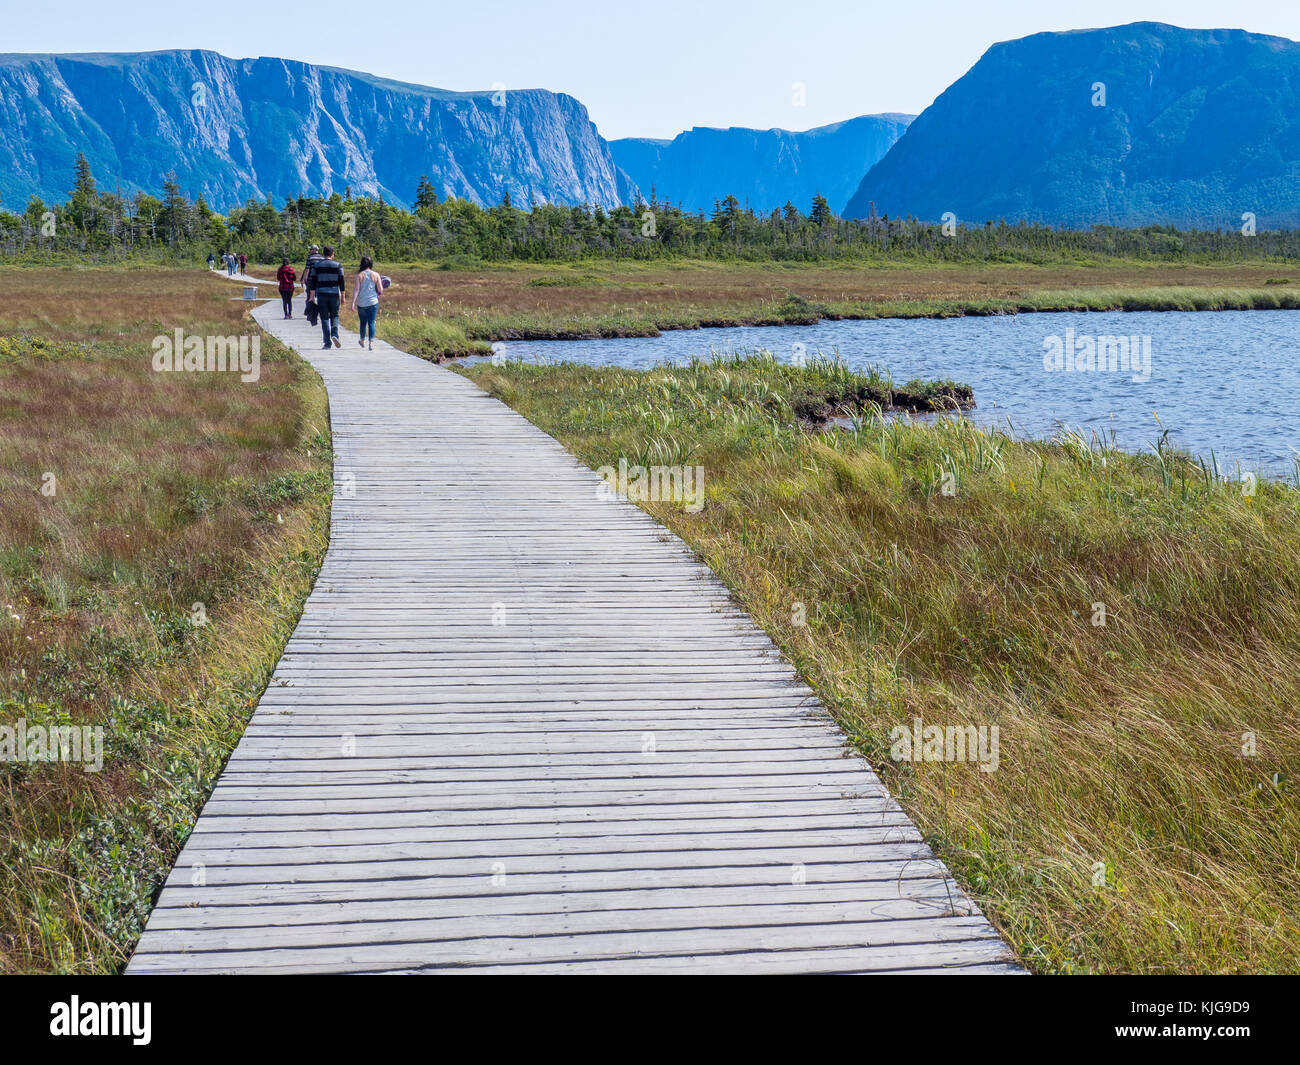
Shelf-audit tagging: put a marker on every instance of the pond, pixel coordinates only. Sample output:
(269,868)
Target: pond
(1221,382)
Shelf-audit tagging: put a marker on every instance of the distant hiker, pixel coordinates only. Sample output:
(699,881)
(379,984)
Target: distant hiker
(212,261)
(329,284)
(243,262)
(313,257)
(287,278)
(365,299)
(230,263)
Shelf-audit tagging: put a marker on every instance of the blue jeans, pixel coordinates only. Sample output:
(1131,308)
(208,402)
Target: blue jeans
(328,305)
(367,316)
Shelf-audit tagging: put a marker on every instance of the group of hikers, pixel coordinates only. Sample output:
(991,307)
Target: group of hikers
(233,263)
(325,284)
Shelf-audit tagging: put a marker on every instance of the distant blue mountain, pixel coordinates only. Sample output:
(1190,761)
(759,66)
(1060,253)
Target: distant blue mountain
(761,167)
(1197,128)
(235,129)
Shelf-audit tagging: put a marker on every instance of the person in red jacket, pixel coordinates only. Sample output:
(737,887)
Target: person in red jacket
(243,262)
(287,279)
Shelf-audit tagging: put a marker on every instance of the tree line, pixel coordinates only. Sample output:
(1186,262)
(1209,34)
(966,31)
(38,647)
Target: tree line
(96,225)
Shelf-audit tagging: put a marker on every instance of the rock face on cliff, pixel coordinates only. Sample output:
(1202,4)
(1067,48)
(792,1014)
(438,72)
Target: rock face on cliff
(1131,125)
(761,167)
(235,129)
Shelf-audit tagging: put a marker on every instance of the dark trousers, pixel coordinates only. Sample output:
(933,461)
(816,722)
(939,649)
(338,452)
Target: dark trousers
(287,299)
(327,304)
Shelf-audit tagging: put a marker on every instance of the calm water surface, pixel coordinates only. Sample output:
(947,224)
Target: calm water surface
(1227,382)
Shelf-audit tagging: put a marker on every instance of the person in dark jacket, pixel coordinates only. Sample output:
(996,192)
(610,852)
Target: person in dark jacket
(328,283)
(243,262)
(313,257)
(287,279)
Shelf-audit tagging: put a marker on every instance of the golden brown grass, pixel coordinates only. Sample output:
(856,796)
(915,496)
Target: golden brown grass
(170,490)
(1143,816)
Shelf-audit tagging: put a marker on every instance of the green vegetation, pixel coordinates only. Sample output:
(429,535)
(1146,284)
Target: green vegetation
(97,224)
(431,338)
(1131,623)
(158,535)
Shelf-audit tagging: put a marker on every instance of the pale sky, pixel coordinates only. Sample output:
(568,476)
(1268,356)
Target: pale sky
(648,70)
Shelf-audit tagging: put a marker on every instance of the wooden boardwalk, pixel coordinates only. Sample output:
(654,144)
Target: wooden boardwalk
(520,728)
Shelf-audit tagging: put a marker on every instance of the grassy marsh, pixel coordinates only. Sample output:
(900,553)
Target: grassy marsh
(170,490)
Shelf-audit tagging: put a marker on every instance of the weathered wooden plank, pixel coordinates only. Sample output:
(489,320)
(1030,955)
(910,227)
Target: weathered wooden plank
(924,899)
(555,818)
(480,858)
(342,843)
(872,879)
(610,793)
(970,957)
(219,826)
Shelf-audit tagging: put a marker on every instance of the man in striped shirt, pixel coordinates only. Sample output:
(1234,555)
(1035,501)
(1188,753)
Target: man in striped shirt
(328,282)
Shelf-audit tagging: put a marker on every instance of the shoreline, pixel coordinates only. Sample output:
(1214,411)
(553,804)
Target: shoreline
(802,313)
